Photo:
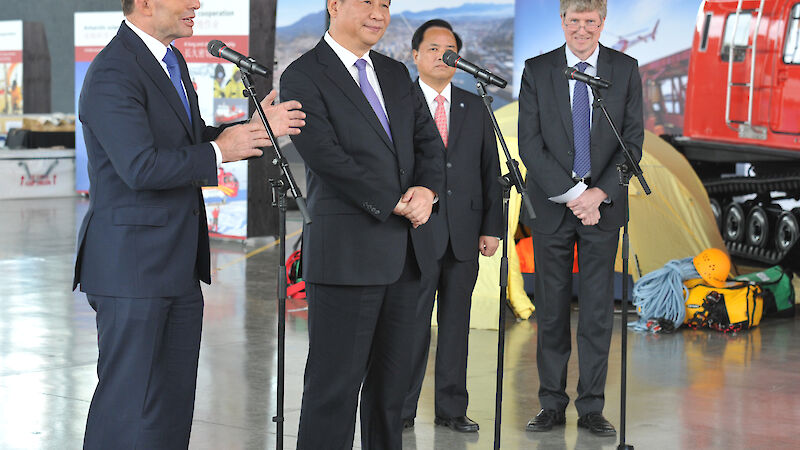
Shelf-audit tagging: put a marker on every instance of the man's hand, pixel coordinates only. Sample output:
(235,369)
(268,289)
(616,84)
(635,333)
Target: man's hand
(487,245)
(415,205)
(242,141)
(284,118)
(587,206)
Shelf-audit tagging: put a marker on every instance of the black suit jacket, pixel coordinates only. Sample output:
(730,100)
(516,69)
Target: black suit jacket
(355,173)
(546,138)
(145,233)
(470,205)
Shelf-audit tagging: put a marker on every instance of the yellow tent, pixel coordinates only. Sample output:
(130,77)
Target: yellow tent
(674,222)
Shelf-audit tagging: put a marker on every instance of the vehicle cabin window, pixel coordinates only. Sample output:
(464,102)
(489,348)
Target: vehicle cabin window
(738,34)
(704,36)
(791,51)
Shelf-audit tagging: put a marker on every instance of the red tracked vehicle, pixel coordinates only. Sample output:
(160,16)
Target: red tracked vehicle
(742,123)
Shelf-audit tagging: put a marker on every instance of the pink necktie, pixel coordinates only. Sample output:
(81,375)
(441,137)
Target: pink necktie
(441,118)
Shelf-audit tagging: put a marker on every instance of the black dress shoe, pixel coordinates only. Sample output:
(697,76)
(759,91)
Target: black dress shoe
(408,423)
(597,424)
(546,420)
(462,424)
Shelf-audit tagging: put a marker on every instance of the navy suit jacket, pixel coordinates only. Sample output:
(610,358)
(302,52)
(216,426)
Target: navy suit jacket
(145,233)
(356,174)
(471,204)
(546,137)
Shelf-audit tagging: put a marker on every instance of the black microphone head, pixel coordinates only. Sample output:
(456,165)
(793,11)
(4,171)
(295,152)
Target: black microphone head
(569,71)
(215,46)
(450,57)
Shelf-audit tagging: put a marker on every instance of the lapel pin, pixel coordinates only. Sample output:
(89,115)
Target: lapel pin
(460,105)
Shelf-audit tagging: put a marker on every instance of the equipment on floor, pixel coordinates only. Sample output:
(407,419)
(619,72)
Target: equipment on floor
(736,307)
(779,296)
(713,265)
(661,294)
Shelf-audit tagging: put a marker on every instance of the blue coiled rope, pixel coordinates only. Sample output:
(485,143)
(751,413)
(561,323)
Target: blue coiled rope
(661,293)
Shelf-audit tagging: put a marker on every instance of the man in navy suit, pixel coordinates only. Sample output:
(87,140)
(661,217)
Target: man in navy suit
(469,220)
(374,164)
(143,246)
(571,154)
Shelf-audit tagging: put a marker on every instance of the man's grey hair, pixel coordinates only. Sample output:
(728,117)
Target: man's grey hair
(601,6)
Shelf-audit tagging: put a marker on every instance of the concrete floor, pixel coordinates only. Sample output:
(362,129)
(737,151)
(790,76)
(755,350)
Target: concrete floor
(693,389)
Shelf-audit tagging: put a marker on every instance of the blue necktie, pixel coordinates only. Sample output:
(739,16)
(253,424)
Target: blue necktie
(581,126)
(372,97)
(175,76)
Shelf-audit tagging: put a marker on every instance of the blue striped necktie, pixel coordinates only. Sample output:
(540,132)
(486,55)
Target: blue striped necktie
(175,76)
(581,126)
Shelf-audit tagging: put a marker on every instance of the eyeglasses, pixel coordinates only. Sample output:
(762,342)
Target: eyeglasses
(590,25)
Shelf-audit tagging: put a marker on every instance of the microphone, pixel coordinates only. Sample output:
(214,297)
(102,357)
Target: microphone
(452,59)
(247,64)
(596,82)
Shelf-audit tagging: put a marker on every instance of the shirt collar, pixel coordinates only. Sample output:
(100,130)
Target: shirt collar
(155,46)
(431,94)
(347,57)
(573,60)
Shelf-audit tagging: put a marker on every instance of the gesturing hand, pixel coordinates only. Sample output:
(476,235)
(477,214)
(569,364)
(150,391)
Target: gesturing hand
(285,118)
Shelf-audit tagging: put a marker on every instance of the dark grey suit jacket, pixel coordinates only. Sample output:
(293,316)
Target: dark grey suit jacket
(470,205)
(356,174)
(145,233)
(546,138)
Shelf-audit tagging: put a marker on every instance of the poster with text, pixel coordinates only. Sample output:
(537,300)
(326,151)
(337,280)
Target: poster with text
(219,90)
(11,67)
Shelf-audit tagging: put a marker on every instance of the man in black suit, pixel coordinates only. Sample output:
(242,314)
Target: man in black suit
(374,166)
(143,246)
(468,221)
(571,155)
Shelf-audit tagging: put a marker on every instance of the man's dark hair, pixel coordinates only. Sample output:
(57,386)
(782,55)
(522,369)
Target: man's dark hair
(420,33)
(127,7)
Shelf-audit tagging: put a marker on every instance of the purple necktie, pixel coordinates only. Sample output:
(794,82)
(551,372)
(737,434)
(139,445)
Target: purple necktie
(175,76)
(372,97)
(581,128)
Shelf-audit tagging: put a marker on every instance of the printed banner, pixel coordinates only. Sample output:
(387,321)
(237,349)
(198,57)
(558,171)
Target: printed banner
(219,90)
(11,99)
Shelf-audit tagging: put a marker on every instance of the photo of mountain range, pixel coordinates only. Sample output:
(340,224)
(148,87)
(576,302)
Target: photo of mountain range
(487,30)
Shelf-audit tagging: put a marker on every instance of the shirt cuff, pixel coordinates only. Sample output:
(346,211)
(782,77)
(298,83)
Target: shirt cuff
(571,194)
(217,153)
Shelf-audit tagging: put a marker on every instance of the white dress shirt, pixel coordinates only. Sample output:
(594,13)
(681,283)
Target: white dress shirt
(572,61)
(430,98)
(159,50)
(349,59)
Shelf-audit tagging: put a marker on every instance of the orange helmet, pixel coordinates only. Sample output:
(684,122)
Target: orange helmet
(713,265)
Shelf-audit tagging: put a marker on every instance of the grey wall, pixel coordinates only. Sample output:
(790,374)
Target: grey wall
(57,17)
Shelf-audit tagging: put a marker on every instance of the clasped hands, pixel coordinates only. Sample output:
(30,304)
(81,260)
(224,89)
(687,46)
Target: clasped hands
(587,206)
(415,205)
(245,140)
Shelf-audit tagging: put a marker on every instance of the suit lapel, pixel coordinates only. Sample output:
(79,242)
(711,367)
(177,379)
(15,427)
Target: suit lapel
(561,91)
(458,111)
(390,99)
(191,95)
(156,72)
(340,76)
(605,70)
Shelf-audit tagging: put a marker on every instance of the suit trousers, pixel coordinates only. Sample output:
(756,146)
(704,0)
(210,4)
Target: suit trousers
(553,256)
(454,281)
(358,341)
(146,370)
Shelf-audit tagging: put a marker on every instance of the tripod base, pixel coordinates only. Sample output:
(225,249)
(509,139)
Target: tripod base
(624,447)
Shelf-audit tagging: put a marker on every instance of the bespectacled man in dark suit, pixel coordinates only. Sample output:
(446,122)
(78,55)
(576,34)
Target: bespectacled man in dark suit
(571,155)
(374,167)
(468,222)
(143,246)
